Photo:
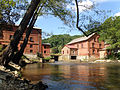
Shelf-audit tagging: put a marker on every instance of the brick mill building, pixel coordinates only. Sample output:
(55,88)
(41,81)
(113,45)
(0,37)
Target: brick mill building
(84,48)
(34,43)
(46,49)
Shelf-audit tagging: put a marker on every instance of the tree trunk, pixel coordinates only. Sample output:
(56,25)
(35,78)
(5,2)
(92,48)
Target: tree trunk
(12,47)
(19,54)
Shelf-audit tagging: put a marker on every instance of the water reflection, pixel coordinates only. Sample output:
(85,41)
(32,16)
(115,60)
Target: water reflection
(113,77)
(75,76)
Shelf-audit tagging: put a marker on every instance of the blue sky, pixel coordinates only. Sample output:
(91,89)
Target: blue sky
(51,24)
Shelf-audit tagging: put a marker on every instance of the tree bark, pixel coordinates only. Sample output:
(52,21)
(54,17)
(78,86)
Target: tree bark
(12,47)
(77,24)
(19,54)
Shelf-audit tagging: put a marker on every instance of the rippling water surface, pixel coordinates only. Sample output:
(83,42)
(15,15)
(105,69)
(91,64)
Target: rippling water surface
(70,76)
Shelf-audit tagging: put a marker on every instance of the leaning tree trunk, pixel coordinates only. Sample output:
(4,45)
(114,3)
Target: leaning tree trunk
(19,54)
(12,47)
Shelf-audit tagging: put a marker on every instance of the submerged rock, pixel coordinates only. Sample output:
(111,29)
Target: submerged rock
(9,80)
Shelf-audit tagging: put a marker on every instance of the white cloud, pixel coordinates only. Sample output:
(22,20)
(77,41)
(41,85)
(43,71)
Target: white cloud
(100,1)
(85,5)
(82,5)
(117,14)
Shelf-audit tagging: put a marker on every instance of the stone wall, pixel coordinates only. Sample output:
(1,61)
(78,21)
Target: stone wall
(82,58)
(64,58)
(31,56)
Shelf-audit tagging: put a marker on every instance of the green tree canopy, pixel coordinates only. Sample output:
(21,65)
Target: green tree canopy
(58,8)
(58,41)
(10,10)
(110,32)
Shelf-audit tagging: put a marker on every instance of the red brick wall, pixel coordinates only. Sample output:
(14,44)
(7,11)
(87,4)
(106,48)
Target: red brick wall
(32,47)
(90,47)
(83,48)
(46,50)
(95,46)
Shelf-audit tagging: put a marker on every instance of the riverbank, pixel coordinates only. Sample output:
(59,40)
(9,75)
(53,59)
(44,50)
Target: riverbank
(88,61)
(104,61)
(10,79)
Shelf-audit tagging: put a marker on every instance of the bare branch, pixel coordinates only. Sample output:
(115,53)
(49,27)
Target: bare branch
(78,19)
(77,23)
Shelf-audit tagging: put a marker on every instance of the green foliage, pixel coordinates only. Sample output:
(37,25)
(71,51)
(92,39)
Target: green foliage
(10,10)
(111,56)
(58,41)
(55,50)
(46,58)
(59,9)
(114,56)
(23,57)
(0,47)
(110,32)
(39,55)
(19,74)
(118,55)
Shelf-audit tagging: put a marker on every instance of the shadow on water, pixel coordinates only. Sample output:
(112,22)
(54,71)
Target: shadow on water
(113,77)
(71,76)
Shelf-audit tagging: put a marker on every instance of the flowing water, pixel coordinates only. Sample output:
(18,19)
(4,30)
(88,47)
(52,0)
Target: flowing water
(71,76)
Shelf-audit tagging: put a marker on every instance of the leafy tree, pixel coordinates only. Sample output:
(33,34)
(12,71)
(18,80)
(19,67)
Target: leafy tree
(9,53)
(55,7)
(55,50)
(10,10)
(58,41)
(90,18)
(110,32)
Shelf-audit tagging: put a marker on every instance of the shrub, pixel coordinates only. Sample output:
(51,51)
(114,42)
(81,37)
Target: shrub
(39,55)
(47,58)
(0,47)
(114,56)
(118,55)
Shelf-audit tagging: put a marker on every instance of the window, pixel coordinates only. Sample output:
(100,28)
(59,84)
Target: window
(31,51)
(93,45)
(94,39)
(21,45)
(77,45)
(21,38)
(63,52)
(44,46)
(81,45)
(31,45)
(44,51)
(10,37)
(97,50)
(97,39)
(100,45)
(108,52)
(31,31)
(93,51)
(67,51)
(73,51)
(31,39)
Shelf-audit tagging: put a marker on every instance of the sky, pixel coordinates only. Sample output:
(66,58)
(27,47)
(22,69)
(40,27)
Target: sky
(54,25)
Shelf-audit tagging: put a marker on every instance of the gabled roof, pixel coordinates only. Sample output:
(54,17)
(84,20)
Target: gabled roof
(81,39)
(28,26)
(71,46)
(46,44)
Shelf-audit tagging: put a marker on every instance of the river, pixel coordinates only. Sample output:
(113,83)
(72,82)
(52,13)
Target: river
(72,76)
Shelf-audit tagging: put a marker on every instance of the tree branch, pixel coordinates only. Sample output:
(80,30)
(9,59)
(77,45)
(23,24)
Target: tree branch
(77,24)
